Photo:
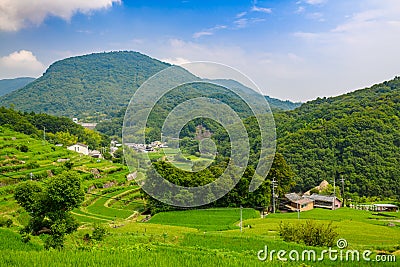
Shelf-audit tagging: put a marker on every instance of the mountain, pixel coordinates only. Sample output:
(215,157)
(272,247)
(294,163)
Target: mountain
(9,85)
(91,87)
(274,103)
(277,104)
(355,136)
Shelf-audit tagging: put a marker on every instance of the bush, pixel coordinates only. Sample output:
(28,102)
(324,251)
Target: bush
(32,165)
(4,222)
(23,148)
(54,241)
(99,232)
(26,237)
(68,165)
(309,233)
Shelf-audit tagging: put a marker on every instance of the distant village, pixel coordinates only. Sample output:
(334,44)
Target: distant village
(114,145)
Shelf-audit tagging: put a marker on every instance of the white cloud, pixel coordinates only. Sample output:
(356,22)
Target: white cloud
(306,35)
(364,47)
(241,14)
(18,14)
(244,22)
(202,33)
(316,16)
(20,64)
(241,23)
(176,61)
(209,31)
(261,9)
(300,10)
(315,2)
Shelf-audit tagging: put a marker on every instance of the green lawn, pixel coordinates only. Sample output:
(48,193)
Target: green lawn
(361,229)
(207,219)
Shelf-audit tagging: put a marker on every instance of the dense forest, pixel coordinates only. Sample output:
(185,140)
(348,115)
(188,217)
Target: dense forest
(355,136)
(238,196)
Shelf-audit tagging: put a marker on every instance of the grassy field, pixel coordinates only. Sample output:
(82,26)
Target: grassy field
(361,229)
(206,220)
(130,243)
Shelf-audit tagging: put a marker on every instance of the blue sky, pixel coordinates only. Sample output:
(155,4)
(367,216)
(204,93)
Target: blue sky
(296,50)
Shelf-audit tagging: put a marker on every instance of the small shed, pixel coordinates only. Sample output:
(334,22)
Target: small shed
(386,207)
(298,203)
(326,202)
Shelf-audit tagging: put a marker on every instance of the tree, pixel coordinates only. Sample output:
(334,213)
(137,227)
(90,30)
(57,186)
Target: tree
(65,138)
(49,206)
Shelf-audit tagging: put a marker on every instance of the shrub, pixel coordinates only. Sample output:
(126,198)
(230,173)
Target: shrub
(4,222)
(309,232)
(68,165)
(32,165)
(26,237)
(23,148)
(99,232)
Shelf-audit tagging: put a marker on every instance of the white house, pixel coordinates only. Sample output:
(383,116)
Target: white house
(80,148)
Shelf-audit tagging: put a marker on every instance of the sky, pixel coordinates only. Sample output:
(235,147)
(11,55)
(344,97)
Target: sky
(297,50)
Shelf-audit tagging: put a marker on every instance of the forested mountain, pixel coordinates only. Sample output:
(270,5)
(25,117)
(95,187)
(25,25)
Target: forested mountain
(277,104)
(355,136)
(86,86)
(9,85)
(90,87)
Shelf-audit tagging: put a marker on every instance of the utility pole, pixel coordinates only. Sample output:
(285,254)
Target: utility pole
(334,193)
(342,180)
(241,219)
(44,135)
(273,194)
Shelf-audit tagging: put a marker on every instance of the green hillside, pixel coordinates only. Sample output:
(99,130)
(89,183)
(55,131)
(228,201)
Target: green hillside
(91,87)
(56,130)
(277,104)
(94,85)
(23,157)
(355,136)
(9,85)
